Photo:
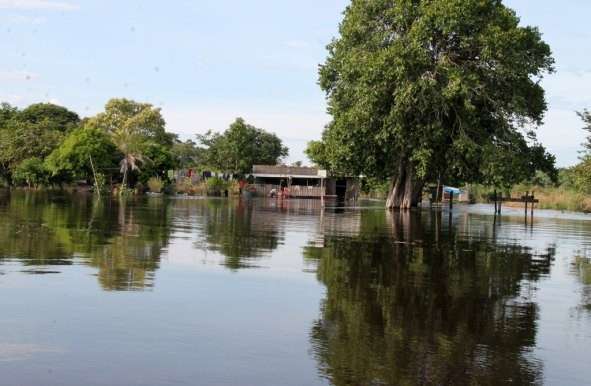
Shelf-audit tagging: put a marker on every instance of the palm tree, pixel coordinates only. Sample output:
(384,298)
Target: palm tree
(129,142)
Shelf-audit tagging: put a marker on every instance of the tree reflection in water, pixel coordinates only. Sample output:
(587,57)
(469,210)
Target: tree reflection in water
(240,231)
(421,305)
(42,229)
(582,269)
(131,257)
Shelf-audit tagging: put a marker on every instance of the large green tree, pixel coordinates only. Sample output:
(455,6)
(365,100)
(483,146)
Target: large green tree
(581,173)
(136,129)
(187,154)
(31,133)
(131,116)
(61,117)
(426,89)
(72,158)
(240,147)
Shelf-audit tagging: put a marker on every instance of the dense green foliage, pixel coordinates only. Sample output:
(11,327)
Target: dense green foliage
(138,132)
(422,90)
(71,160)
(240,147)
(187,154)
(142,119)
(62,118)
(31,172)
(45,144)
(159,159)
(48,144)
(580,174)
(33,132)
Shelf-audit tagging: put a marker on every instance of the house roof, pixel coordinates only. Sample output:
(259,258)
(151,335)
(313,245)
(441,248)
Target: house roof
(287,171)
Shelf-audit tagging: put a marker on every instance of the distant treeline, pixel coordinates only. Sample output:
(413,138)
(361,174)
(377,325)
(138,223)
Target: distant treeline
(48,145)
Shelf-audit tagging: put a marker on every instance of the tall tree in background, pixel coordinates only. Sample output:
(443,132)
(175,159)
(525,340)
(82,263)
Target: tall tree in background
(240,147)
(582,171)
(31,133)
(424,89)
(141,118)
(136,129)
(131,145)
(71,159)
(187,154)
(61,117)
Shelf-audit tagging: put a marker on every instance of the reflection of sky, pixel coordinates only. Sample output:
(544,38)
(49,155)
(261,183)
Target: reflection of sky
(18,351)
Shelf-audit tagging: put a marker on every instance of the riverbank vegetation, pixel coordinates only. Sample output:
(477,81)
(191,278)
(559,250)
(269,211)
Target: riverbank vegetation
(561,189)
(126,148)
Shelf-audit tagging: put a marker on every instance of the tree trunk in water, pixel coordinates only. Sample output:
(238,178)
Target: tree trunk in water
(405,190)
(124,182)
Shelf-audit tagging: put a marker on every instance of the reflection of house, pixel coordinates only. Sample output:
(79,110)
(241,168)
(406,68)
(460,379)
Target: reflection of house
(302,182)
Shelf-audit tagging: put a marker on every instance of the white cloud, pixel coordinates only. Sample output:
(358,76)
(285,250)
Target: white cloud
(38,5)
(17,76)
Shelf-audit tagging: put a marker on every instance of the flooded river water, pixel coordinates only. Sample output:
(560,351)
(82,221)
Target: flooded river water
(158,291)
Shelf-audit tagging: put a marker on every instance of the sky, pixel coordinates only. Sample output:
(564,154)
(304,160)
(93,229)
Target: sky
(206,62)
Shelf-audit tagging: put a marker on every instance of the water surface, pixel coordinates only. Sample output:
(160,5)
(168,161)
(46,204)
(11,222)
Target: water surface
(156,291)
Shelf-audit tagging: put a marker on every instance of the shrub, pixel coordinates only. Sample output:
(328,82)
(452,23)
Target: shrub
(31,172)
(216,185)
(155,184)
(99,182)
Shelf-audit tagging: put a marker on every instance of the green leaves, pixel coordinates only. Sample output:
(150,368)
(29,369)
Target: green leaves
(31,172)
(130,117)
(240,147)
(72,158)
(434,84)
(31,133)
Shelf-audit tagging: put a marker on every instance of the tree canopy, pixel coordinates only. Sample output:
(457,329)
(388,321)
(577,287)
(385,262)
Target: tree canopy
(131,116)
(240,147)
(427,89)
(46,143)
(72,158)
(61,117)
(31,133)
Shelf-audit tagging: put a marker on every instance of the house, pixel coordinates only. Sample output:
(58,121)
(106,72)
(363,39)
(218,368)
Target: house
(302,182)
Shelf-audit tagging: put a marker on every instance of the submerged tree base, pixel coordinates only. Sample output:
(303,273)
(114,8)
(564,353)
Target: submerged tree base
(405,190)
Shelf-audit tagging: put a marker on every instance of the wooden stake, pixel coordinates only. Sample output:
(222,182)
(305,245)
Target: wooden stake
(451,200)
(98,189)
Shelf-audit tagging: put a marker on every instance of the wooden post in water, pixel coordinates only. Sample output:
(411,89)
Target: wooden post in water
(495,199)
(451,200)
(500,203)
(322,191)
(533,202)
(526,200)
(438,198)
